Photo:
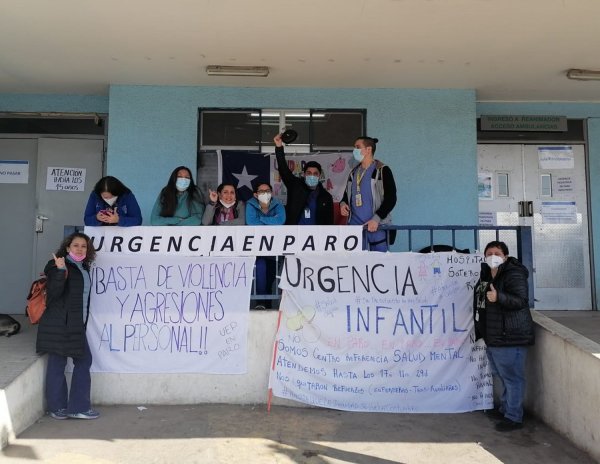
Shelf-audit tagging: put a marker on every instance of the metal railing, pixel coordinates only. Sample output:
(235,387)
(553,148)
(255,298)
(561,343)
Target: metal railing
(466,239)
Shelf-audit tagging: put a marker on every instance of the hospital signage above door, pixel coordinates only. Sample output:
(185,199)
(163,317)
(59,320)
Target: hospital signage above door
(524,123)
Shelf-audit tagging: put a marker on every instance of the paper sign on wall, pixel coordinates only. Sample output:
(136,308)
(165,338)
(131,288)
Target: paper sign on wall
(66,179)
(14,172)
(556,157)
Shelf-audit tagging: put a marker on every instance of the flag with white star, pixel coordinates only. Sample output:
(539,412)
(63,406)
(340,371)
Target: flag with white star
(245,170)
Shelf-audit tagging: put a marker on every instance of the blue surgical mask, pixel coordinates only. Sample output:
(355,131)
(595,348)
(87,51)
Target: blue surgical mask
(182,184)
(311,181)
(357,153)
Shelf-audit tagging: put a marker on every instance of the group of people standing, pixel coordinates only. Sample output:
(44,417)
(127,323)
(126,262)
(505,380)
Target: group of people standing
(369,197)
(500,305)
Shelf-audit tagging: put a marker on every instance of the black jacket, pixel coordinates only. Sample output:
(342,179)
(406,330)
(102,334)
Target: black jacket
(508,321)
(298,192)
(62,328)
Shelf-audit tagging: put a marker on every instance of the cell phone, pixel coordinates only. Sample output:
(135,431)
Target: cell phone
(106,212)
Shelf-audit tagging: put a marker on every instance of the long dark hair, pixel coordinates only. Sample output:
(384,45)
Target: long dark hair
(219,206)
(90,254)
(112,185)
(168,195)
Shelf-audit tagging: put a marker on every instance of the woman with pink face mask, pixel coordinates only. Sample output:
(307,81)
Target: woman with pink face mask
(503,319)
(62,329)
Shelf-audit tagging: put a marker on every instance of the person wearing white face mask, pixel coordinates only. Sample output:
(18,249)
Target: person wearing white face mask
(112,204)
(308,203)
(503,319)
(224,209)
(179,202)
(370,195)
(263,210)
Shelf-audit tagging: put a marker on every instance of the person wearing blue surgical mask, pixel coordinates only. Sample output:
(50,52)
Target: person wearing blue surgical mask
(370,195)
(308,202)
(111,203)
(179,202)
(503,319)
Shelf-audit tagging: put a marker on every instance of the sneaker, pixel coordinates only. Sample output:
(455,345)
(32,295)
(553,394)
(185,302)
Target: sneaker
(506,425)
(61,414)
(91,414)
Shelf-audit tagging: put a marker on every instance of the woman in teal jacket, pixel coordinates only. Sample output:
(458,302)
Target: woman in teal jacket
(263,210)
(179,202)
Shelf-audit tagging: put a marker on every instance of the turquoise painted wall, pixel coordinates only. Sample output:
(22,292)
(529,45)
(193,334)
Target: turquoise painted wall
(428,137)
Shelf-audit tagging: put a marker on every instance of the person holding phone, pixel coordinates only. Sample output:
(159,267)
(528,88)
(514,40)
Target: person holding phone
(111,203)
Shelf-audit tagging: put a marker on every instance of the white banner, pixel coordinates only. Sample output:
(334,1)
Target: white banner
(226,240)
(381,332)
(156,314)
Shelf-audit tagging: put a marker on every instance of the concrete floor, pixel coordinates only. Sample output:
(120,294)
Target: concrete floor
(248,434)
(209,433)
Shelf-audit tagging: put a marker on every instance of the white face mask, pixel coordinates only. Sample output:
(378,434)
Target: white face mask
(493,261)
(110,201)
(227,205)
(264,198)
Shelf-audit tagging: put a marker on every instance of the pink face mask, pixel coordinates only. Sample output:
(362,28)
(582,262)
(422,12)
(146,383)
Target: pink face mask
(76,258)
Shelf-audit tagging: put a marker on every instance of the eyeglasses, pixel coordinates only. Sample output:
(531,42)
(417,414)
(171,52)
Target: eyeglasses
(263,191)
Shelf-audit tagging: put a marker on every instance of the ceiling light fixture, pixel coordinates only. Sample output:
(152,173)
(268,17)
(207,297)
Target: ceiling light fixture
(583,75)
(252,71)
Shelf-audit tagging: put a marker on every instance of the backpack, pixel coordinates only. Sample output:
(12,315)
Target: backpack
(36,300)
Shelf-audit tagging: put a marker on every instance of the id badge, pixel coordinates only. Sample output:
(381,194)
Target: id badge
(306,213)
(358,199)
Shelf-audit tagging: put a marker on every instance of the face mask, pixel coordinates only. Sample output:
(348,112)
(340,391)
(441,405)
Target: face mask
(358,156)
(182,184)
(311,181)
(76,258)
(264,198)
(227,205)
(110,201)
(493,261)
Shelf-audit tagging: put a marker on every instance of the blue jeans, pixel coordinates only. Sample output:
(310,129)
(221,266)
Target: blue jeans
(508,366)
(57,394)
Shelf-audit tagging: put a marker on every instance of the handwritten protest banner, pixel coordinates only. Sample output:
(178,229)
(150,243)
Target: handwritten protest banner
(226,240)
(381,332)
(162,314)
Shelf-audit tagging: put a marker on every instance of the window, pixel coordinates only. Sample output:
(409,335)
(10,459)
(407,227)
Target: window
(254,129)
(502,180)
(545,185)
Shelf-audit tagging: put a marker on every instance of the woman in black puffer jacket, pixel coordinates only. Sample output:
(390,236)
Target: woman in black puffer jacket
(503,320)
(61,332)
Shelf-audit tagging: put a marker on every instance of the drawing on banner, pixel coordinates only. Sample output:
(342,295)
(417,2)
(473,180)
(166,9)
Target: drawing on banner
(391,334)
(336,168)
(303,321)
(179,314)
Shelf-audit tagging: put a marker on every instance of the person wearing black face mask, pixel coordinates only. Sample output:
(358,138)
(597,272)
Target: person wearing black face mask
(308,203)
(503,319)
